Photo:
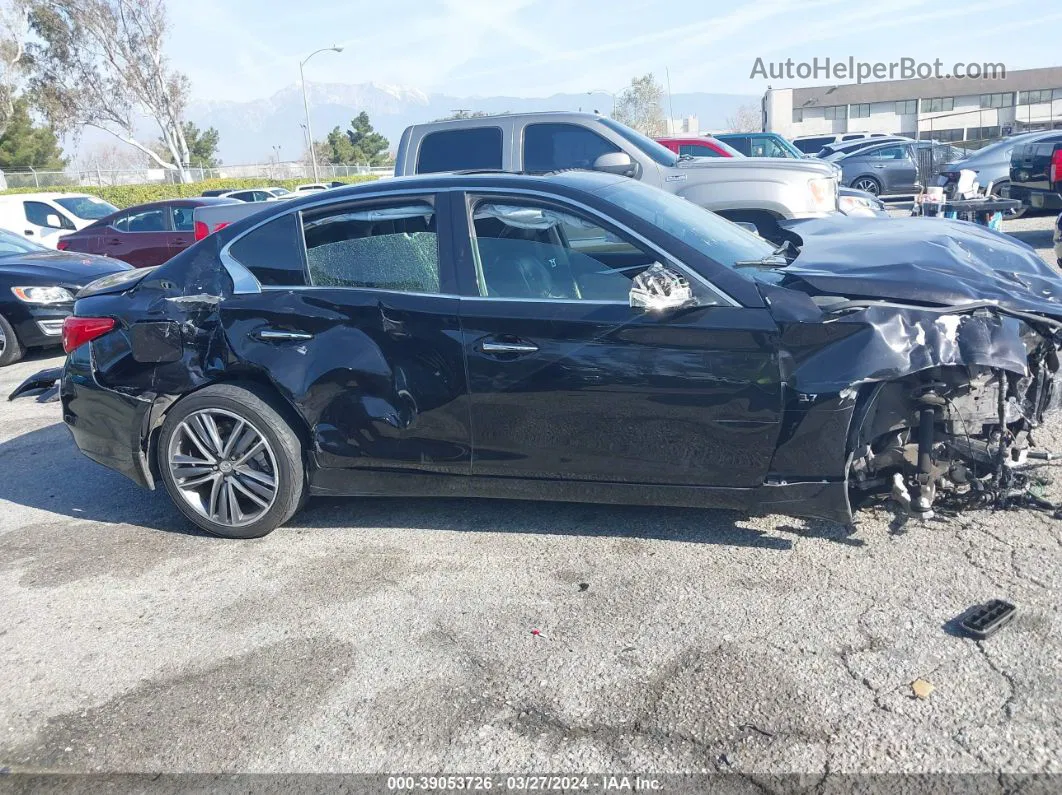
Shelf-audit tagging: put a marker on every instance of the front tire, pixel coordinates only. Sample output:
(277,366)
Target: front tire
(230,461)
(11,349)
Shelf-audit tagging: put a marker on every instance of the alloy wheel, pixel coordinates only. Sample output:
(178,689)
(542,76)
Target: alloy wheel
(3,341)
(223,466)
(866,184)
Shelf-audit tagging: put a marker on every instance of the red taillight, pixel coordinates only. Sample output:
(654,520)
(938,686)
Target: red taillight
(79,330)
(63,245)
(202,230)
(1056,166)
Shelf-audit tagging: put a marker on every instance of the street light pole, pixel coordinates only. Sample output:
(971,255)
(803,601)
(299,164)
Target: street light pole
(306,103)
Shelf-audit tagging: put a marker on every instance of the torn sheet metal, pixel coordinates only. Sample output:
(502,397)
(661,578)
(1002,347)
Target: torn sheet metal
(910,260)
(888,342)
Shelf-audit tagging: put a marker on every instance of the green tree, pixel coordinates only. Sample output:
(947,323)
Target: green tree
(338,148)
(25,145)
(360,145)
(202,146)
(370,148)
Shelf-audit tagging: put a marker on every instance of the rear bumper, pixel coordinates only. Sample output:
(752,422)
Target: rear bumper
(109,427)
(1037,198)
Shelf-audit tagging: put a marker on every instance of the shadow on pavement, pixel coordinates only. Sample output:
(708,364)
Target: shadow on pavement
(44,470)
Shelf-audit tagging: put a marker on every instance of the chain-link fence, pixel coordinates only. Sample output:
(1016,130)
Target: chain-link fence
(100,177)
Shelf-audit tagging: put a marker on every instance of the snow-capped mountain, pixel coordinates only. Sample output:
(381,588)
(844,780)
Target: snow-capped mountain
(249,130)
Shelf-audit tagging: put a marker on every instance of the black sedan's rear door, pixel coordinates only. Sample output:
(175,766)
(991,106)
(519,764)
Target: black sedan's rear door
(357,324)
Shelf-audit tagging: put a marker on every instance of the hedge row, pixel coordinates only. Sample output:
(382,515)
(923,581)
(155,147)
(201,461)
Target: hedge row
(122,196)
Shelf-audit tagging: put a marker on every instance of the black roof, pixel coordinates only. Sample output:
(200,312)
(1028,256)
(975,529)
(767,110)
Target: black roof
(590,181)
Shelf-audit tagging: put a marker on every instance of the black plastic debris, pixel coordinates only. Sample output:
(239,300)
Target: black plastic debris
(45,379)
(984,620)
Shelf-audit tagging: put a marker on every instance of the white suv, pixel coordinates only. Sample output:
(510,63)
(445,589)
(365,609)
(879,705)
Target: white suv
(44,217)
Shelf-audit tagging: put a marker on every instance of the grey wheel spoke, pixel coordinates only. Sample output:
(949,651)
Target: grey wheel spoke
(235,514)
(249,490)
(224,515)
(256,448)
(262,490)
(265,479)
(215,496)
(191,483)
(211,428)
(223,467)
(234,434)
(199,443)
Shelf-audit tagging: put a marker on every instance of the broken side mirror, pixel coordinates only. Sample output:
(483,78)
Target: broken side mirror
(616,163)
(659,289)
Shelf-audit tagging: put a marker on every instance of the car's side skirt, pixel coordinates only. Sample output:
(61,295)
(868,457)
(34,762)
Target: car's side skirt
(820,499)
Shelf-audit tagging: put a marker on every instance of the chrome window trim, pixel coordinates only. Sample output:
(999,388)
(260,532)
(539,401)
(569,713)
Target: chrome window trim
(607,221)
(244,282)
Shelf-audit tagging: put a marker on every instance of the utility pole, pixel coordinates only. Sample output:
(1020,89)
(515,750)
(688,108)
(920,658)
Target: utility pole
(670,104)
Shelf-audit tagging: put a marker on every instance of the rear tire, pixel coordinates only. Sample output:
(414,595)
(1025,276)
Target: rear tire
(868,184)
(230,461)
(11,349)
(1002,189)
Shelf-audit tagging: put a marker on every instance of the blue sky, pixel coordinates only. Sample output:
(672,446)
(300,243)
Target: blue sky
(246,49)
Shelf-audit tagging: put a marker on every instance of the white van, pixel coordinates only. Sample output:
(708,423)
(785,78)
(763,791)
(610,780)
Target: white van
(811,144)
(44,217)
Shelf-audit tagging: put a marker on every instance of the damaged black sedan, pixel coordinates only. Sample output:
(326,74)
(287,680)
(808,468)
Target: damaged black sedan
(576,336)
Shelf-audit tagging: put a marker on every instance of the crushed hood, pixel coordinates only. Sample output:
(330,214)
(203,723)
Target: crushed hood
(920,261)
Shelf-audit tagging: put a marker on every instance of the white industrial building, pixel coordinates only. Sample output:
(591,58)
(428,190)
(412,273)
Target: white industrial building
(970,110)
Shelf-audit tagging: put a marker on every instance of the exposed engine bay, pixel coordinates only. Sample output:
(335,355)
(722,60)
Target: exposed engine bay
(949,389)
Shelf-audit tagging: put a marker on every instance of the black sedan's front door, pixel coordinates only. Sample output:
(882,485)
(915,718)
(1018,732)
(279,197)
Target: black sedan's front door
(568,381)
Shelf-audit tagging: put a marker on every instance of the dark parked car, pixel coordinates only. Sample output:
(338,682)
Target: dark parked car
(761,144)
(37,287)
(1036,173)
(992,163)
(888,168)
(842,148)
(575,336)
(143,236)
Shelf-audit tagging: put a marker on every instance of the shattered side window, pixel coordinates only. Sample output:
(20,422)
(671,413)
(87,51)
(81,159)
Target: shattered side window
(383,248)
(525,250)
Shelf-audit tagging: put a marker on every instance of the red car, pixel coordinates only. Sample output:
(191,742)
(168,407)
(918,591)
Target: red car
(145,235)
(699,146)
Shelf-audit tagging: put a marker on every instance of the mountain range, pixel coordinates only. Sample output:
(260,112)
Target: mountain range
(250,130)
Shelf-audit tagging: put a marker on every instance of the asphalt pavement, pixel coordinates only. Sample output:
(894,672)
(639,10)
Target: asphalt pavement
(394,635)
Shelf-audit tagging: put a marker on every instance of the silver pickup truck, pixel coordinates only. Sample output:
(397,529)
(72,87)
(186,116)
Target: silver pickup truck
(757,190)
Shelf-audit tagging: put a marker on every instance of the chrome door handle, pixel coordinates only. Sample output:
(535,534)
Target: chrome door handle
(272,335)
(508,347)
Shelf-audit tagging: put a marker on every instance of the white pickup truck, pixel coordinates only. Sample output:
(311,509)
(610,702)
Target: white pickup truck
(761,191)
